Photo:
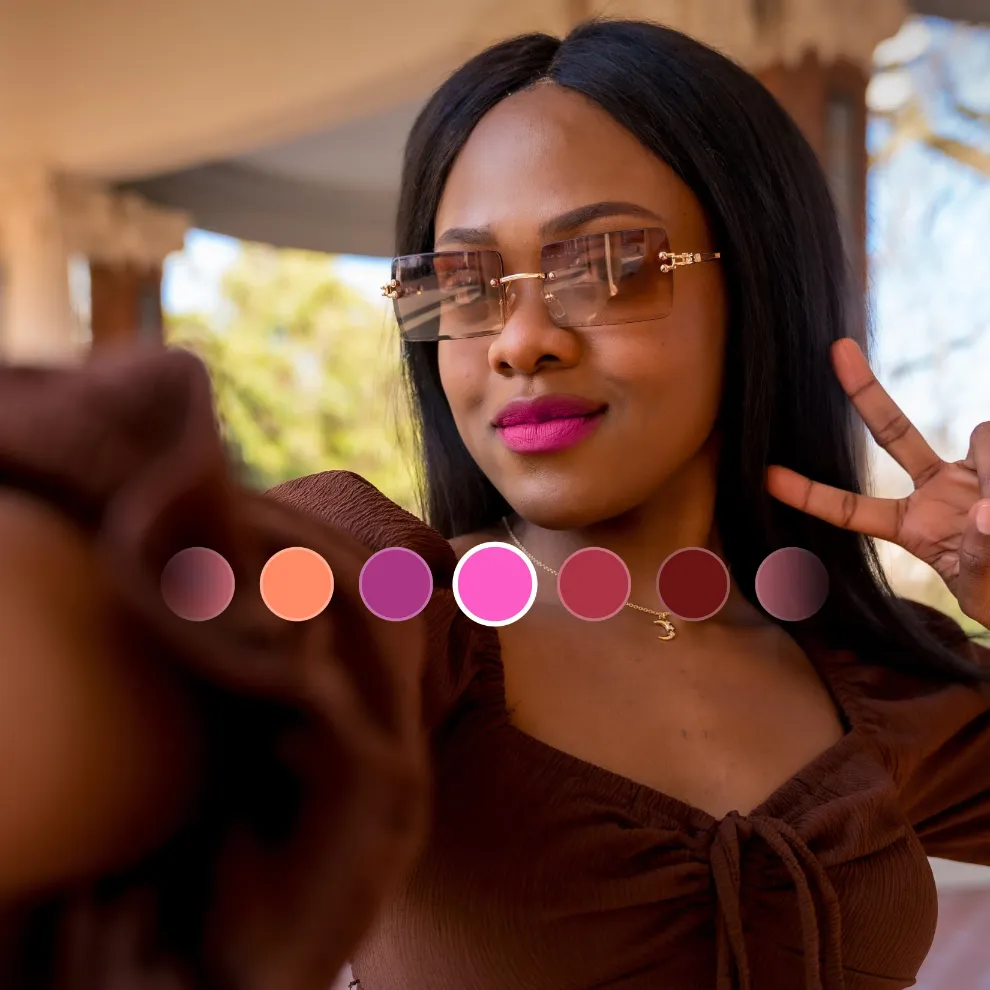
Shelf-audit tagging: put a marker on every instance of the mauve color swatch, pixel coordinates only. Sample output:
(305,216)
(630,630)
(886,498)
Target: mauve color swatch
(197,584)
(792,584)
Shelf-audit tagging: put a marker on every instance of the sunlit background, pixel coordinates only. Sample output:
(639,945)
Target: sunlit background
(928,211)
(300,343)
(283,123)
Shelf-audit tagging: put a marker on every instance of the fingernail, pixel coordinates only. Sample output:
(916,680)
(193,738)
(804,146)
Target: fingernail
(983,518)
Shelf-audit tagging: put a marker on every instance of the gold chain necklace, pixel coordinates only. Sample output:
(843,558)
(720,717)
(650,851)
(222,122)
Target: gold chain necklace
(662,618)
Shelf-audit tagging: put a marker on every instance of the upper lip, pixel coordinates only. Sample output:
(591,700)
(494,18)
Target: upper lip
(519,412)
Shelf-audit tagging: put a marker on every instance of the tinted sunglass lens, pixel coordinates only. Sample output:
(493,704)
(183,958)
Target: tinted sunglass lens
(607,278)
(448,294)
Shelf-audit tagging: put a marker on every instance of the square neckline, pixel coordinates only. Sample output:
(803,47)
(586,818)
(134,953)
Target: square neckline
(653,806)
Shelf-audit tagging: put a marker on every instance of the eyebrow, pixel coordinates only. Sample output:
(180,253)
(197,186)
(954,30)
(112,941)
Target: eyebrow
(556,226)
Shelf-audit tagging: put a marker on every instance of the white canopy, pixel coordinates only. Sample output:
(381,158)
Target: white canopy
(283,120)
(335,187)
(278,120)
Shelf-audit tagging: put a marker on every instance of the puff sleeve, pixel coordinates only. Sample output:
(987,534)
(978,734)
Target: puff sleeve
(315,769)
(945,768)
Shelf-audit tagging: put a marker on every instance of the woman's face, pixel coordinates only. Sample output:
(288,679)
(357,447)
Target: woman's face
(536,156)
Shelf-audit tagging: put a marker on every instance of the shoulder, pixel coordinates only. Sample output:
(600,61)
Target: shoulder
(935,735)
(456,647)
(914,715)
(347,501)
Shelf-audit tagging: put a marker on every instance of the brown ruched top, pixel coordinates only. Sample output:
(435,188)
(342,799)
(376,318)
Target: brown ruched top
(545,872)
(537,870)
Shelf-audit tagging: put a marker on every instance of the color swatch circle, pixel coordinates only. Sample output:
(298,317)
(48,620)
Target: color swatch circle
(693,584)
(197,584)
(395,584)
(594,584)
(792,584)
(495,584)
(296,584)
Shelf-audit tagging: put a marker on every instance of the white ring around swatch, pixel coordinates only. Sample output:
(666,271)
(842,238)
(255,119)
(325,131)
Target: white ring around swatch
(494,622)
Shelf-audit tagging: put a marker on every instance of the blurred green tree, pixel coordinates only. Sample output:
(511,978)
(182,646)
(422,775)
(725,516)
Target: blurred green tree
(305,373)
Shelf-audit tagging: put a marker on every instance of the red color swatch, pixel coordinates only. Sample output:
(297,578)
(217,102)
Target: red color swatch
(693,584)
(594,584)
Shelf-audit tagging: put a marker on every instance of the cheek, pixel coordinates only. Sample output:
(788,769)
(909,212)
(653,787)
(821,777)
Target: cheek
(695,350)
(463,366)
(673,368)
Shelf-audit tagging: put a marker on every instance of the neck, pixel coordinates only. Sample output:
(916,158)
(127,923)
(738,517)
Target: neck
(680,514)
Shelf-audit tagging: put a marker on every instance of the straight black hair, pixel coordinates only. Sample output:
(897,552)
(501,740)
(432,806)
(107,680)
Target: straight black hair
(789,290)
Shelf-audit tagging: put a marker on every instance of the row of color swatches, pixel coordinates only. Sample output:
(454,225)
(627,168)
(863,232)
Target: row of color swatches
(495,584)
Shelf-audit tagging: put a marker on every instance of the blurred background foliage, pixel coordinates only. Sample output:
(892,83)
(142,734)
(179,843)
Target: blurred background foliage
(305,371)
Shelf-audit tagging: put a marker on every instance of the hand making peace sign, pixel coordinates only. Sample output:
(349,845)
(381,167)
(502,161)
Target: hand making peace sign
(945,521)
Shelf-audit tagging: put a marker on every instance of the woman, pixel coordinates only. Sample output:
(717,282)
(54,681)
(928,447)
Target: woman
(625,315)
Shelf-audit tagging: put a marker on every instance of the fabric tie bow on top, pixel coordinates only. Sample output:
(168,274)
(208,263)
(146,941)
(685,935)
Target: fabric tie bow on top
(808,876)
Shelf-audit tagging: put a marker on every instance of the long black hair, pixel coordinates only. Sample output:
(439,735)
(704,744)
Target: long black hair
(789,290)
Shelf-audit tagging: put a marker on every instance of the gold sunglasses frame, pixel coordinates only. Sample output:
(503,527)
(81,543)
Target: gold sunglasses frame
(673,259)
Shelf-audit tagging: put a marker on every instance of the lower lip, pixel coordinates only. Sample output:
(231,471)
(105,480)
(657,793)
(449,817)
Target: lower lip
(551,436)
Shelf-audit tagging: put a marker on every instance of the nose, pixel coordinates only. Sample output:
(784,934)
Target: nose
(530,341)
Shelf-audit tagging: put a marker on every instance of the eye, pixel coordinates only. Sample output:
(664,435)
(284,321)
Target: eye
(459,281)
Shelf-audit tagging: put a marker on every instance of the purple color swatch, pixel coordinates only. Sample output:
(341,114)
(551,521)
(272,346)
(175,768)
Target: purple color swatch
(395,584)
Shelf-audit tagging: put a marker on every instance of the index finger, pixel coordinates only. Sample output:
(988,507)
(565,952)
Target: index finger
(876,517)
(888,425)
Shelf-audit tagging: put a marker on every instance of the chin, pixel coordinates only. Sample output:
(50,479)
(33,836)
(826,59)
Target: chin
(565,503)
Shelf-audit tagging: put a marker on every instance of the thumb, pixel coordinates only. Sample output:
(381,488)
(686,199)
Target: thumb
(973,589)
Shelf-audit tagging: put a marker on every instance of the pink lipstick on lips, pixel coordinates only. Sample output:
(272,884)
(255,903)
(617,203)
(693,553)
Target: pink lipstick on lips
(548,424)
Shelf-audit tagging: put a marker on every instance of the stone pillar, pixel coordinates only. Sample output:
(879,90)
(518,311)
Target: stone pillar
(37,325)
(126,240)
(125,304)
(828,103)
(46,217)
(816,57)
